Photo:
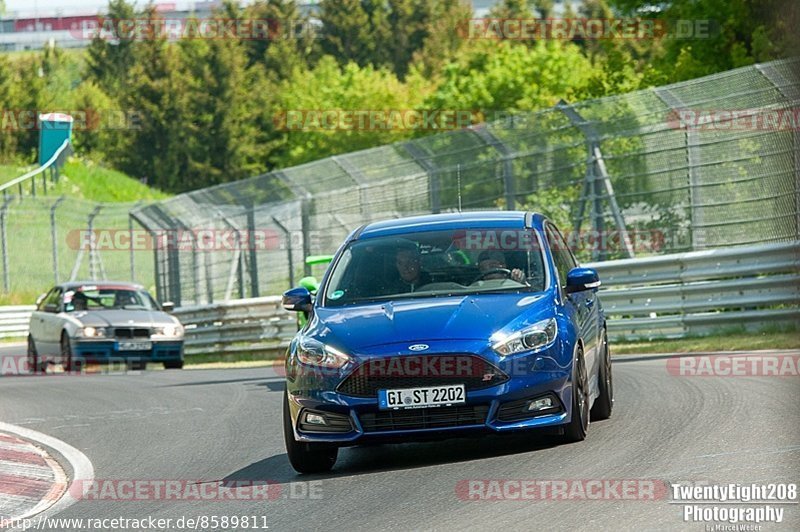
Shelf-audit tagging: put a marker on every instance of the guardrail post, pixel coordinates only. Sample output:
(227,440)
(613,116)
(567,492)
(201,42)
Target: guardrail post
(53,237)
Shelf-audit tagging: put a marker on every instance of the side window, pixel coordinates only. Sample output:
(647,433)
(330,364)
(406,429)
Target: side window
(562,257)
(53,298)
(45,299)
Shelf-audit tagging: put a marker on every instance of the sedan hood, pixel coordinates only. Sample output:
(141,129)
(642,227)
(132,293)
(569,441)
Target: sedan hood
(123,318)
(474,317)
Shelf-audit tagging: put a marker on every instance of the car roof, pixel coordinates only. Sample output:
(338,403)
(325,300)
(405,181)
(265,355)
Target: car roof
(72,285)
(455,220)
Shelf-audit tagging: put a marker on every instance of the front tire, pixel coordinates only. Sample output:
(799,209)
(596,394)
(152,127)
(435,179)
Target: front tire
(306,457)
(67,360)
(34,365)
(579,424)
(604,404)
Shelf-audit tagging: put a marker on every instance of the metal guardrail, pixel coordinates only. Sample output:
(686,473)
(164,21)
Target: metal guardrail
(14,321)
(256,325)
(696,293)
(54,164)
(672,296)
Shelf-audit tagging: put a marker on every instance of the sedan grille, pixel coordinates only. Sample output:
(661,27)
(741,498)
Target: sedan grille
(131,332)
(424,418)
(421,371)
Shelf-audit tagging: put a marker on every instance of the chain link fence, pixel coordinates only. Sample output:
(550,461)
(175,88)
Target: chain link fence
(712,162)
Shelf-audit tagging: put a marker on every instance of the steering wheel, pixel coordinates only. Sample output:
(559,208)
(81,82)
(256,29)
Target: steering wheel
(493,271)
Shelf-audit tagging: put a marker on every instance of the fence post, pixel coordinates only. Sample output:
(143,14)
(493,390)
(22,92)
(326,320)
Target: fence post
(422,159)
(289,257)
(508,167)
(54,238)
(251,244)
(3,210)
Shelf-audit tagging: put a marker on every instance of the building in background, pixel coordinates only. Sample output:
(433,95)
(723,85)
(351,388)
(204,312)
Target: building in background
(68,26)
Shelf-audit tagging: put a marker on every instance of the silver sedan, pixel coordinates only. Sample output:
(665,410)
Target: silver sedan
(103,322)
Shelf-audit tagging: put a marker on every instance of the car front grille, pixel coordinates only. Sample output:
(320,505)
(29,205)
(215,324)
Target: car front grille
(424,418)
(421,371)
(131,332)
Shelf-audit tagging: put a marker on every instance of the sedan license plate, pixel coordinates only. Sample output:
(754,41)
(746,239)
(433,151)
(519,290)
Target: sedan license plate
(422,397)
(135,346)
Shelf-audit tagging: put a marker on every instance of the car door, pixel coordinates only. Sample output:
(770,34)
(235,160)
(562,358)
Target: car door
(36,324)
(51,323)
(584,303)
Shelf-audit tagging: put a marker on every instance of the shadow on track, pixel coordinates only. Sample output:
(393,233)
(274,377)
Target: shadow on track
(363,460)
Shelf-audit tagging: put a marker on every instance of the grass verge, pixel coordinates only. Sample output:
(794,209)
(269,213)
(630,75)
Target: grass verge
(727,342)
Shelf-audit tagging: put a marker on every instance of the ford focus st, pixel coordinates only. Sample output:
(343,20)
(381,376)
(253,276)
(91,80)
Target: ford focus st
(444,325)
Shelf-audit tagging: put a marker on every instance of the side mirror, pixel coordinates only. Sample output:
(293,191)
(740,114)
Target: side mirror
(297,299)
(40,299)
(51,307)
(580,279)
(167,306)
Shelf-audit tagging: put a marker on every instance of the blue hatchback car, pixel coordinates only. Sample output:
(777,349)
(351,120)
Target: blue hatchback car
(445,325)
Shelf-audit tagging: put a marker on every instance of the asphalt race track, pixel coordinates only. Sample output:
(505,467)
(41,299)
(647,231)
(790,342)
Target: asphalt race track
(225,425)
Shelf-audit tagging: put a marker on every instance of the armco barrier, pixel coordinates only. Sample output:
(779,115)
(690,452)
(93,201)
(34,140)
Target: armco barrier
(257,325)
(14,321)
(696,293)
(752,287)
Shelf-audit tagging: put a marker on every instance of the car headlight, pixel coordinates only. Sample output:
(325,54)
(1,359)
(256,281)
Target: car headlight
(93,332)
(532,338)
(169,331)
(315,353)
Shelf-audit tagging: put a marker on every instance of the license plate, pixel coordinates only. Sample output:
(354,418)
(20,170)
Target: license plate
(135,346)
(422,397)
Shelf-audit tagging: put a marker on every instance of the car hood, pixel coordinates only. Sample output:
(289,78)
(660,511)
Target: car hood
(123,318)
(473,317)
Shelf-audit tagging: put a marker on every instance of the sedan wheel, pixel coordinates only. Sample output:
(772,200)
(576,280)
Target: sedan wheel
(576,430)
(34,365)
(306,457)
(605,402)
(66,355)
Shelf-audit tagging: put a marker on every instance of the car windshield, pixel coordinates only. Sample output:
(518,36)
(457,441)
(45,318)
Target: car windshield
(437,263)
(94,298)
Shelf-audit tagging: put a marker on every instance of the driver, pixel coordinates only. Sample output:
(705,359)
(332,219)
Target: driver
(407,261)
(490,260)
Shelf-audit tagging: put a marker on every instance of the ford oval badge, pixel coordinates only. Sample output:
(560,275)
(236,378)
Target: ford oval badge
(418,347)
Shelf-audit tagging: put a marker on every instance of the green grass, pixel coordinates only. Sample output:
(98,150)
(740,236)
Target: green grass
(726,342)
(89,181)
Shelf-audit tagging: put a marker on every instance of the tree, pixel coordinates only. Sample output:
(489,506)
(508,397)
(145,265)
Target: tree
(348,32)
(511,9)
(108,63)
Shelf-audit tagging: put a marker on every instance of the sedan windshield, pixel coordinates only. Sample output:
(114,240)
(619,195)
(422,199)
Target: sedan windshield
(437,263)
(93,298)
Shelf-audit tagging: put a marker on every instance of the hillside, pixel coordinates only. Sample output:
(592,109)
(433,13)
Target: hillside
(85,179)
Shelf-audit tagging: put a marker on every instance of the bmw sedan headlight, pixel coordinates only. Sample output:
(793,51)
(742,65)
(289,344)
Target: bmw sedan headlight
(169,331)
(93,332)
(315,353)
(533,338)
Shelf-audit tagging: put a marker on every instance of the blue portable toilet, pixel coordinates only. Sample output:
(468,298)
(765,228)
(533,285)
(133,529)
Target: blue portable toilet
(54,129)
